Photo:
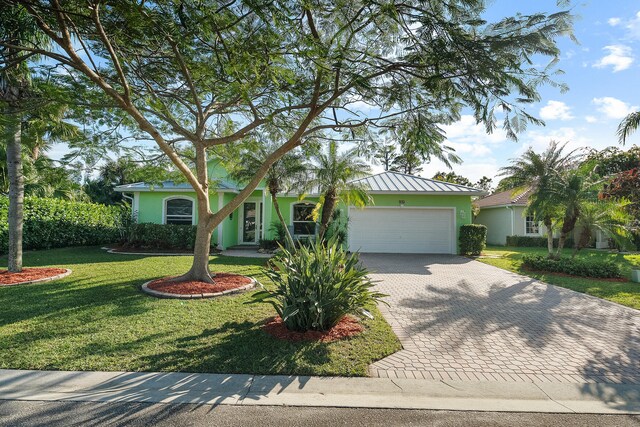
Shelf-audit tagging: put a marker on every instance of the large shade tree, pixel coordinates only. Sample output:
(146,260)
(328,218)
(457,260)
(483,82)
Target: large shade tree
(208,73)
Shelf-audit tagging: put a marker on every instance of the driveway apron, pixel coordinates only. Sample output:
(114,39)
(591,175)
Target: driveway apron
(464,320)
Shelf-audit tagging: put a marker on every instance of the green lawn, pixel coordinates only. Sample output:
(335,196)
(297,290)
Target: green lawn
(627,293)
(97,319)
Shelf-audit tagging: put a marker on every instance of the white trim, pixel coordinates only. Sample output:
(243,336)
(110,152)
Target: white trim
(193,211)
(525,226)
(167,190)
(221,225)
(454,229)
(511,205)
(262,216)
(135,211)
(291,206)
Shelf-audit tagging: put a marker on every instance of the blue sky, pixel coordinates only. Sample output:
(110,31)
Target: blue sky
(601,72)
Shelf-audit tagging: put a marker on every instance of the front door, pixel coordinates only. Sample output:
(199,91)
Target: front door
(250,220)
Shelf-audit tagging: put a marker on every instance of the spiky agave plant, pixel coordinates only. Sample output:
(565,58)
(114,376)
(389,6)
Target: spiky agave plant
(316,286)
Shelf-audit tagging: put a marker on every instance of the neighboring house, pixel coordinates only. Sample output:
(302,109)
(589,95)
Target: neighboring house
(410,214)
(504,214)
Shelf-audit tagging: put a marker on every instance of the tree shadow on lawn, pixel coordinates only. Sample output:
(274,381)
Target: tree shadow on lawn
(240,347)
(70,295)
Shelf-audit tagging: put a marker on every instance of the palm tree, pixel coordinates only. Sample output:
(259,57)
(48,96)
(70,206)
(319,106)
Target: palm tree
(570,192)
(628,125)
(289,172)
(16,28)
(332,174)
(540,172)
(607,216)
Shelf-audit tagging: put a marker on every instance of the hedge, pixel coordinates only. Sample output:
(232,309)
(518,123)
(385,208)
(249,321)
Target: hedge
(473,239)
(54,223)
(574,266)
(535,242)
(161,236)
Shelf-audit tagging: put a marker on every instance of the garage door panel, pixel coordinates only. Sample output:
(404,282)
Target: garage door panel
(401,230)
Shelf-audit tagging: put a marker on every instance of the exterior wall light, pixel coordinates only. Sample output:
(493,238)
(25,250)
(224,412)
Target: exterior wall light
(401,203)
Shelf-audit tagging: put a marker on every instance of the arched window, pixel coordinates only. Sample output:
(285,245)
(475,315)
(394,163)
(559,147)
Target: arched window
(303,223)
(178,210)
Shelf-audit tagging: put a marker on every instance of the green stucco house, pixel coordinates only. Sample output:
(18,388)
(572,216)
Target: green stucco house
(410,214)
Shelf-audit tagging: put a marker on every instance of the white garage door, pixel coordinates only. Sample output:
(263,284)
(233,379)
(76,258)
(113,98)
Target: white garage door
(401,230)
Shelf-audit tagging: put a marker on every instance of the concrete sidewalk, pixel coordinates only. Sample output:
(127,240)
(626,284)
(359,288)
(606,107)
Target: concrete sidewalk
(215,389)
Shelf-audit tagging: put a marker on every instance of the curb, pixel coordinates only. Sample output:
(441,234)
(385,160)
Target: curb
(343,392)
(145,288)
(45,279)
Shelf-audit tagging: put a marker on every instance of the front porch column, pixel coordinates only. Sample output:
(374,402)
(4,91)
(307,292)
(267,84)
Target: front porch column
(221,226)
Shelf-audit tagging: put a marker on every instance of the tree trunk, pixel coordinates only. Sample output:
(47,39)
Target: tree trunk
(583,240)
(199,270)
(568,225)
(289,239)
(327,211)
(16,190)
(548,223)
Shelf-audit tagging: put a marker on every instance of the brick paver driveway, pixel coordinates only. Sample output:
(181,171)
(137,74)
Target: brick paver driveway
(461,319)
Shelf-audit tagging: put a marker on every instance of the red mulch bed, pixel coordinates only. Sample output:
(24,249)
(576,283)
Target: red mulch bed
(347,327)
(223,282)
(604,279)
(28,274)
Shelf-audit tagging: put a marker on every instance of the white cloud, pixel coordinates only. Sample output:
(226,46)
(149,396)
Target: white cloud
(556,110)
(633,26)
(539,140)
(475,150)
(591,119)
(613,108)
(614,21)
(619,57)
(468,131)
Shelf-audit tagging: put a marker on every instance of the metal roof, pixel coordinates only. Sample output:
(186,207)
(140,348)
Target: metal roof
(385,182)
(171,186)
(396,182)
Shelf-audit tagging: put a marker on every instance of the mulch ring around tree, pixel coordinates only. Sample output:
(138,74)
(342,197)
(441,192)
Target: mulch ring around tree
(347,327)
(32,275)
(225,283)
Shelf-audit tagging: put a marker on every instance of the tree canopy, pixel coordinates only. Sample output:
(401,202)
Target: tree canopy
(207,73)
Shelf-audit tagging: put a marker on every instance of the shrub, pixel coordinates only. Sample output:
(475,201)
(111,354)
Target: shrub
(473,239)
(269,244)
(574,266)
(279,232)
(161,236)
(316,286)
(535,242)
(54,223)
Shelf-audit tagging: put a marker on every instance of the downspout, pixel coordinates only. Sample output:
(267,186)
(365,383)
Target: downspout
(512,220)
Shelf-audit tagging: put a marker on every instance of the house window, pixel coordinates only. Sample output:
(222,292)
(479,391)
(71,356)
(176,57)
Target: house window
(178,211)
(531,225)
(303,224)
